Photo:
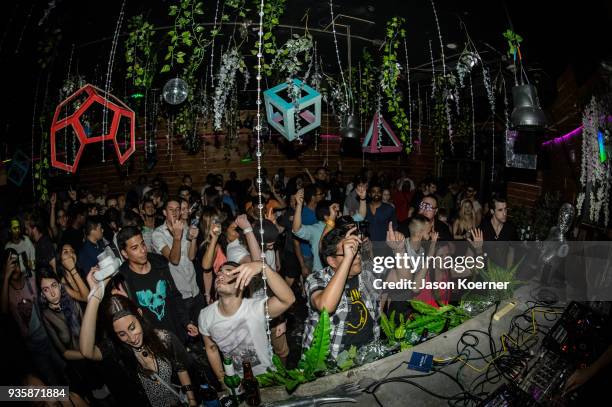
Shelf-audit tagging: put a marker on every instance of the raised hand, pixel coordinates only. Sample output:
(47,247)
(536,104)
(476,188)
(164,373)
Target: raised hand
(477,238)
(68,260)
(350,246)
(192,330)
(53,199)
(176,228)
(245,273)
(395,239)
(242,221)
(193,232)
(299,197)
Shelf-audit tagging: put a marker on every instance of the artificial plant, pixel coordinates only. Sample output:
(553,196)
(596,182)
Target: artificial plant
(514,42)
(273,10)
(389,74)
(139,55)
(595,172)
(187,38)
(425,318)
(311,365)
(231,63)
(367,84)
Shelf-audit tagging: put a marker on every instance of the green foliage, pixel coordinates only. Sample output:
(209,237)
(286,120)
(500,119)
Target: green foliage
(41,169)
(514,41)
(313,360)
(187,38)
(139,57)
(273,10)
(439,126)
(541,218)
(346,358)
(406,333)
(390,72)
(367,85)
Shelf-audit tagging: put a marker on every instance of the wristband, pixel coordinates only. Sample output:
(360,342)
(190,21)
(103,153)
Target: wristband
(186,388)
(247,230)
(92,293)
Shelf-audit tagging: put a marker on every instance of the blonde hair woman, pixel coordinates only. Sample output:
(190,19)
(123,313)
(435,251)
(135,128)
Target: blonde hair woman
(465,222)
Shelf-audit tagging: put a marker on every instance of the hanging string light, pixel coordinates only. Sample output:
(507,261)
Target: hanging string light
(109,72)
(409,93)
(420,114)
(260,206)
(433,72)
(473,120)
(333,24)
(212,50)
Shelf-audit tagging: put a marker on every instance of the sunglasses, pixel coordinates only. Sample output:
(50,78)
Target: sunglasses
(424,206)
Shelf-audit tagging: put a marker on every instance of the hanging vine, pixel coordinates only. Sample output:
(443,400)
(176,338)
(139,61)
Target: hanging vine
(273,10)
(187,39)
(390,72)
(368,85)
(231,62)
(139,57)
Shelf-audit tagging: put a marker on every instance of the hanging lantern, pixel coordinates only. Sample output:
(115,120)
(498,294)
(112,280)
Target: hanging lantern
(281,113)
(378,137)
(175,91)
(87,108)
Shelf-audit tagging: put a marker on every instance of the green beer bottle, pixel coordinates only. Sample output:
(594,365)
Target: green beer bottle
(231,379)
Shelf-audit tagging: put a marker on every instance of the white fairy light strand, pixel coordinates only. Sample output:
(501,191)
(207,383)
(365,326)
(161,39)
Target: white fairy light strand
(331,10)
(259,180)
(473,120)
(109,71)
(409,94)
(433,6)
(433,72)
(212,50)
(420,113)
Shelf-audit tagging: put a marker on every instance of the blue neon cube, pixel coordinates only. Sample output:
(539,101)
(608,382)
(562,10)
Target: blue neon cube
(280,112)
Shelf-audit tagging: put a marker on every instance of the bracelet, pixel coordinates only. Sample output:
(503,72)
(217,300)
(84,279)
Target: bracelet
(71,271)
(247,230)
(187,387)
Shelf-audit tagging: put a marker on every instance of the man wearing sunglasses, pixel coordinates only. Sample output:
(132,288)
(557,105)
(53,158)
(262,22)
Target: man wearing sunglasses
(429,208)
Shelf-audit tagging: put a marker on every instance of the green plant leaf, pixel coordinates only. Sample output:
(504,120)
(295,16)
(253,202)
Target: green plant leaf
(165,68)
(314,358)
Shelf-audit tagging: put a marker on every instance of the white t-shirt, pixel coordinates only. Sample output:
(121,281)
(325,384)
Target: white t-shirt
(24,246)
(241,336)
(183,274)
(236,251)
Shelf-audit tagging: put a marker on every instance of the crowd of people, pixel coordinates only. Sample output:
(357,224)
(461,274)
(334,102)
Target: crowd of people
(189,291)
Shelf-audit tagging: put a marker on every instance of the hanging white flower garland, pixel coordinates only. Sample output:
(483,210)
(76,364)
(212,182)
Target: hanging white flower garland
(595,175)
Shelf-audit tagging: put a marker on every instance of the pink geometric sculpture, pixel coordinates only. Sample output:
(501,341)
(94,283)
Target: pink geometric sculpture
(81,116)
(370,143)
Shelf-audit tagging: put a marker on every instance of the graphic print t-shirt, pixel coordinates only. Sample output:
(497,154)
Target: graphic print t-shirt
(241,336)
(152,290)
(358,325)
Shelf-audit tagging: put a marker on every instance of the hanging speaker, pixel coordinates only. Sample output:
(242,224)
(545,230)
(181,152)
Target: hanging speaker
(527,113)
(350,128)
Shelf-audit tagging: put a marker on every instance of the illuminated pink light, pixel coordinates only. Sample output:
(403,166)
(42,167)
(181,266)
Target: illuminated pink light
(568,136)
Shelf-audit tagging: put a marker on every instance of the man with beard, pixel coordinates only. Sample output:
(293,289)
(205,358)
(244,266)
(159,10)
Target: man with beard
(379,214)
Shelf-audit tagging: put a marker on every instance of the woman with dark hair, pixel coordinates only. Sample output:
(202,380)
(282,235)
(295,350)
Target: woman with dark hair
(19,299)
(60,313)
(151,358)
(210,255)
(71,278)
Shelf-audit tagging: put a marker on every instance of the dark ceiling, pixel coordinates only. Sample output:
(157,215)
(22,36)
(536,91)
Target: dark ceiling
(556,36)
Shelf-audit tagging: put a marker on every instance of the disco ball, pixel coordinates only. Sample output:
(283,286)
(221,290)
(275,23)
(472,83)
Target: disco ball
(175,91)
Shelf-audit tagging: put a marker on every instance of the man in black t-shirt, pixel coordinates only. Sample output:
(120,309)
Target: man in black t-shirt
(149,283)
(428,207)
(36,229)
(496,228)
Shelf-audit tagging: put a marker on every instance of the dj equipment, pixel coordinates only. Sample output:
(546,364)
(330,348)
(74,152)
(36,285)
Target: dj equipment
(575,341)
